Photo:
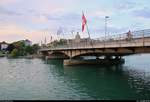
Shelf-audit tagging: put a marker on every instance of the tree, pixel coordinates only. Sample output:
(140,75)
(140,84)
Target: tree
(29,50)
(35,48)
(14,53)
(20,49)
(10,48)
(20,45)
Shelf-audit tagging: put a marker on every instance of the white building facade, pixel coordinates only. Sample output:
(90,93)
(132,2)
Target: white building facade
(4,45)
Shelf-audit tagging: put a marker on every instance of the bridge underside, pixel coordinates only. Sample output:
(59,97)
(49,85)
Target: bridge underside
(102,55)
(74,53)
(117,47)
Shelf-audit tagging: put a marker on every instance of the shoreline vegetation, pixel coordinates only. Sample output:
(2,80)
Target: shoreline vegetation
(21,49)
(26,56)
(1,54)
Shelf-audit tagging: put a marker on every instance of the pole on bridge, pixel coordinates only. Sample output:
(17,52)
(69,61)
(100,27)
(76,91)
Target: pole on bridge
(106,17)
(143,38)
(89,36)
(88,31)
(72,38)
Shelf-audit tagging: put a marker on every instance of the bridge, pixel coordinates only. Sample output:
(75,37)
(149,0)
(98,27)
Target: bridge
(110,48)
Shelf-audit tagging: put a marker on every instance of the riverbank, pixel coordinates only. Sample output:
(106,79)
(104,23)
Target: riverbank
(27,56)
(2,55)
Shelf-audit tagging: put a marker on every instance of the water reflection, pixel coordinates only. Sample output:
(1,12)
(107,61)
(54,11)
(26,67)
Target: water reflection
(139,81)
(101,82)
(108,82)
(37,79)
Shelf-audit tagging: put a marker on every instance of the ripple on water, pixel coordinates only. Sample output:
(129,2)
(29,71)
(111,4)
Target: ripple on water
(34,79)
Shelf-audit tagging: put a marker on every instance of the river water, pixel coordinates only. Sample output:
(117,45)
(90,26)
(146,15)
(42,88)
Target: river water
(36,79)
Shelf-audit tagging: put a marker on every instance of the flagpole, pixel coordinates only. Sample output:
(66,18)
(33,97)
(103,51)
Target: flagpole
(89,35)
(72,38)
(88,32)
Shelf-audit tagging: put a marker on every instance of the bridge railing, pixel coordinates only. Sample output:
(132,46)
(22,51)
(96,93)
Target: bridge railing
(136,38)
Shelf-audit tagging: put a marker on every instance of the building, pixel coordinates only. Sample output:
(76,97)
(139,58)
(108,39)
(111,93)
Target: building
(3,45)
(77,38)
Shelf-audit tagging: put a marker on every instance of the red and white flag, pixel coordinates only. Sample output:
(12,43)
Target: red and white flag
(83,22)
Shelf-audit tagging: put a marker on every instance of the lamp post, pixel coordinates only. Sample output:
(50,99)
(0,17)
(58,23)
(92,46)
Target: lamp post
(72,38)
(106,17)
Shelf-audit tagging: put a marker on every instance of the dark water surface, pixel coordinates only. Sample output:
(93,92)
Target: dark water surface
(35,79)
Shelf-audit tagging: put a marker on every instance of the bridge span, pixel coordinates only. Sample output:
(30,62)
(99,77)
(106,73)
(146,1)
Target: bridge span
(114,47)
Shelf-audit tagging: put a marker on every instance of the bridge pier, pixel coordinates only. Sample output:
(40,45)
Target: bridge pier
(105,61)
(118,57)
(113,49)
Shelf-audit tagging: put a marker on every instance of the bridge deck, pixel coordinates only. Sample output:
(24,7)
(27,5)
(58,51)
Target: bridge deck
(136,42)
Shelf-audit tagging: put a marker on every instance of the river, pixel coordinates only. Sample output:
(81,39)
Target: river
(36,79)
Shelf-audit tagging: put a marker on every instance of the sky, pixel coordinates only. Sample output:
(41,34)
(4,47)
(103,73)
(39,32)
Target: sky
(39,19)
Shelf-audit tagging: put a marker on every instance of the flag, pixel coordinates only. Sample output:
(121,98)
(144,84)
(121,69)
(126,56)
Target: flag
(83,22)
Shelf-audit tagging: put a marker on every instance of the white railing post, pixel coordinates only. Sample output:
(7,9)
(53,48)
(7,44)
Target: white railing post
(143,39)
(120,40)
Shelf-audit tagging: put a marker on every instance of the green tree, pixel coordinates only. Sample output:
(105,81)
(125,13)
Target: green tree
(21,49)
(35,48)
(20,46)
(14,53)
(29,50)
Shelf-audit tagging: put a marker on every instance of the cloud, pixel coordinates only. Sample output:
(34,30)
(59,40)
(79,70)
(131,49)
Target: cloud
(142,13)
(11,32)
(47,6)
(6,2)
(4,11)
(39,35)
(124,4)
(35,19)
(101,13)
(11,29)
(39,19)
(14,32)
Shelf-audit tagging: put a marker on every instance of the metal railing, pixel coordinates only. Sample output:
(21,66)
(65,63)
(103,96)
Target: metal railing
(138,38)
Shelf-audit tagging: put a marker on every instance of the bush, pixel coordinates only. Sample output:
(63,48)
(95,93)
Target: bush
(29,50)
(15,53)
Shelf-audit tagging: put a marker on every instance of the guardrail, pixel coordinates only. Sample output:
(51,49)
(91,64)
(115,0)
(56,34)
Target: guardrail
(136,38)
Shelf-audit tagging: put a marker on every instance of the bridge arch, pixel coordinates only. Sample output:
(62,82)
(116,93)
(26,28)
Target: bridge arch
(58,54)
(86,53)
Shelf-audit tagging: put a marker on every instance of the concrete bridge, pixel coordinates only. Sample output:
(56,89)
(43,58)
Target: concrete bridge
(110,48)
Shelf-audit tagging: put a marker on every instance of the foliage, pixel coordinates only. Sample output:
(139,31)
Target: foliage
(20,49)
(10,48)
(1,52)
(29,50)
(14,53)
(35,48)
(20,45)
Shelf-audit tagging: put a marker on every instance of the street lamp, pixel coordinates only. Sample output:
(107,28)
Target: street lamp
(72,38)
(106,17)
